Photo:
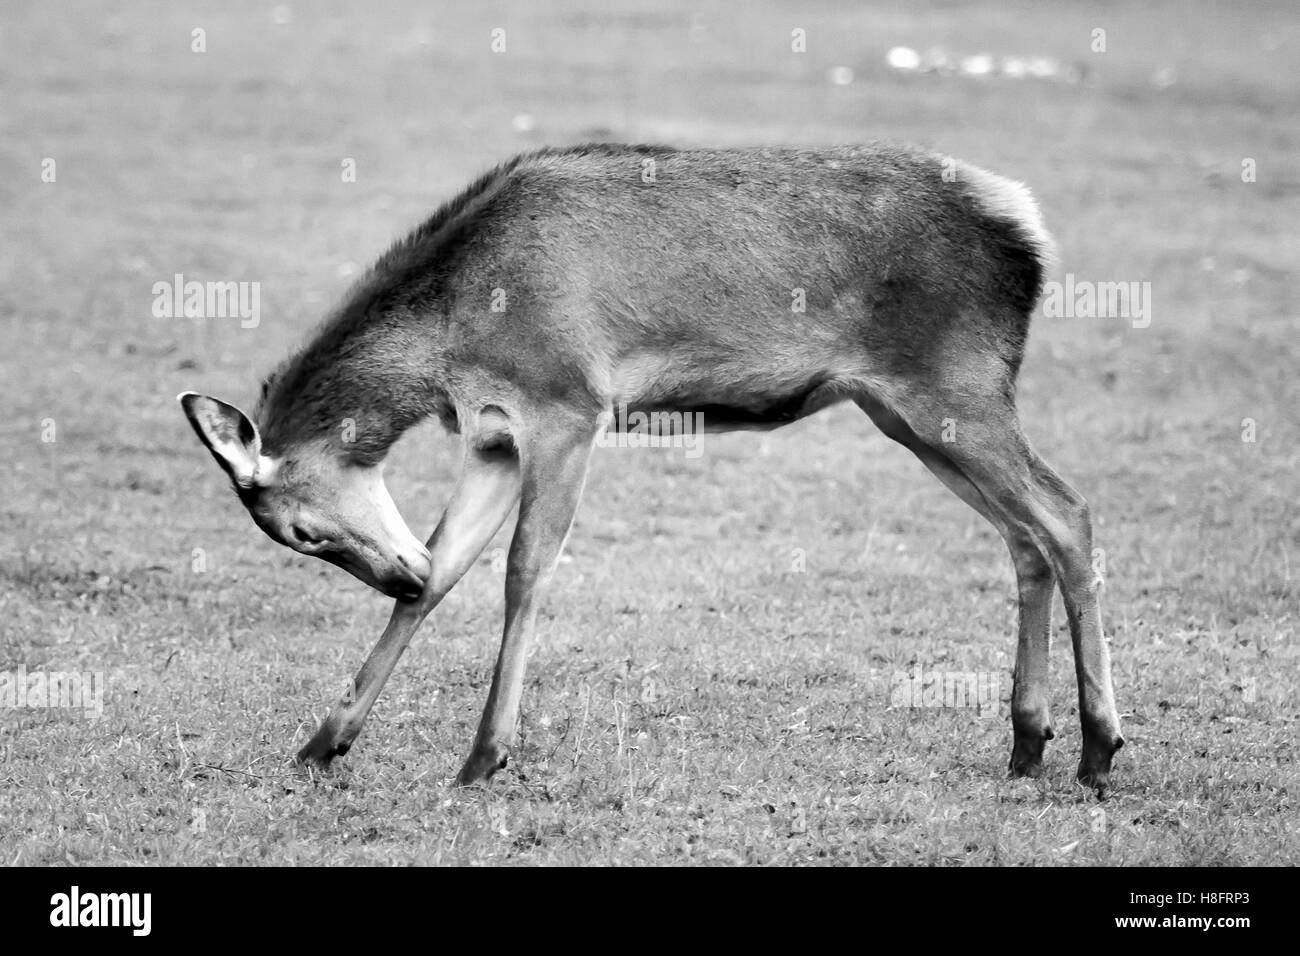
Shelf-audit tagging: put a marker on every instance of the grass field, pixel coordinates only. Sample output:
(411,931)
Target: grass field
(715,672)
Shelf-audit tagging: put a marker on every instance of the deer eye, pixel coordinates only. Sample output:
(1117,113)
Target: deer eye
(304,538)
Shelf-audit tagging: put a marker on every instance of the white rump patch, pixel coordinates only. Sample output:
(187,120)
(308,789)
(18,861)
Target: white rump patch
(1010,201)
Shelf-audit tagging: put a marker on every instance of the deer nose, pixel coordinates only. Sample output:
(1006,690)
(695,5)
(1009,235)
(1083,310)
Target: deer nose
(408,590)
(405,584)
(418,566)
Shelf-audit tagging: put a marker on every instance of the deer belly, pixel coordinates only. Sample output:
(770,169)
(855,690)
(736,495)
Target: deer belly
(717,399)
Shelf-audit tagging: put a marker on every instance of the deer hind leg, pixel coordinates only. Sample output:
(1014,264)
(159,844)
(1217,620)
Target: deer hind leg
(1035,582)
(989,448)
(484,497)
(554,454)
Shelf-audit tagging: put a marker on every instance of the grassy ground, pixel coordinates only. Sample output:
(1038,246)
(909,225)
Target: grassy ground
(714,677)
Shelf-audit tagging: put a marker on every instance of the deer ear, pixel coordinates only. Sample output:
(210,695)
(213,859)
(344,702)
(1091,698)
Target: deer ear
(227,432)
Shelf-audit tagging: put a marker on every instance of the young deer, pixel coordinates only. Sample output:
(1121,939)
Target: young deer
(570,282)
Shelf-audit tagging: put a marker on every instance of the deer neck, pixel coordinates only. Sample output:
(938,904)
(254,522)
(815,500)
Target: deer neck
(355,390)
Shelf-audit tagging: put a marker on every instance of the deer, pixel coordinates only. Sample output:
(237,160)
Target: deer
(567,282)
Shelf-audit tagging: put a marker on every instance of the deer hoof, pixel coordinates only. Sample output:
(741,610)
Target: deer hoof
(1094,767)
(481,765)
(319,752)
(1027,753)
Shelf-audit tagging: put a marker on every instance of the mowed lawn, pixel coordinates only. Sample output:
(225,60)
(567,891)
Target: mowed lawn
(715,676)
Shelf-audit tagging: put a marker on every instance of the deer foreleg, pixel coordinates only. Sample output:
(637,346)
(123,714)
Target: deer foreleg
(485,495)
(554,472)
